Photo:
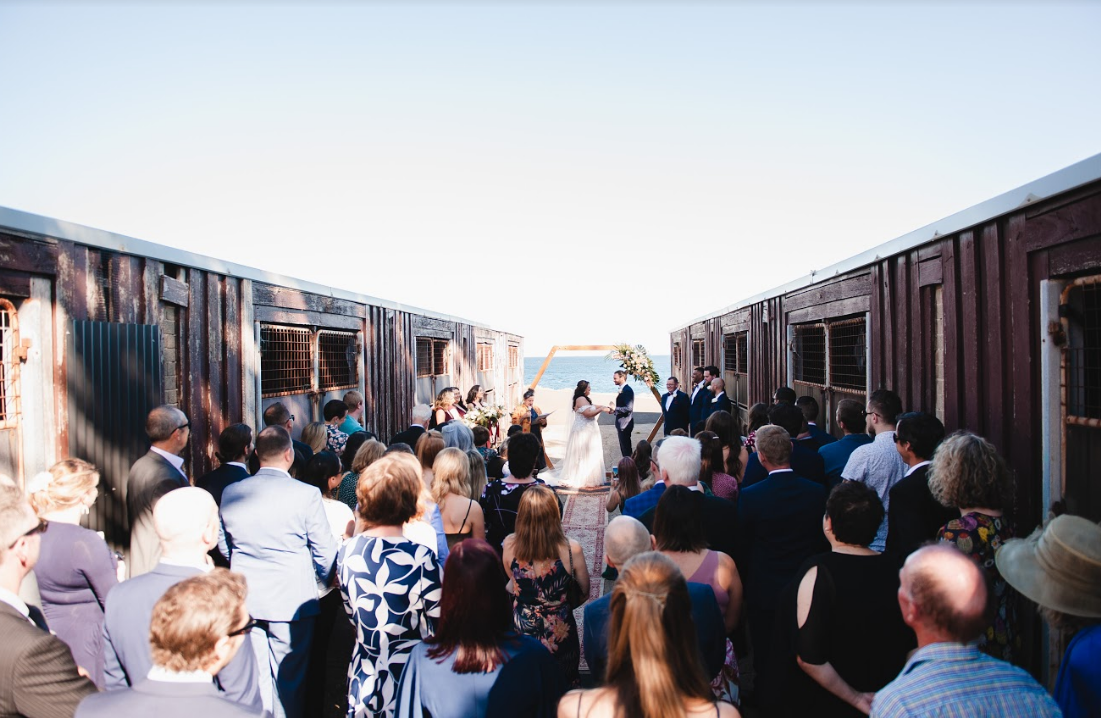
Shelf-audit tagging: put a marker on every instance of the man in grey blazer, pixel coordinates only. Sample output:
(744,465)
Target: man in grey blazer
(151,477)
(38,676)
(187,524)
(196,629)
(274,531)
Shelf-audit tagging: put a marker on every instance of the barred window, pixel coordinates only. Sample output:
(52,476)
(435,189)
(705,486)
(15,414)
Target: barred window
(730,353)
(677,358)
(809,353)
(338,360)
(8,408)
(697,352)
(743,352)
(513,356)
(286,362)
(848,359)
(431,356)
(485,357)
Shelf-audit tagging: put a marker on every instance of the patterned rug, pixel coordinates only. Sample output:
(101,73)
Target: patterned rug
(583,520)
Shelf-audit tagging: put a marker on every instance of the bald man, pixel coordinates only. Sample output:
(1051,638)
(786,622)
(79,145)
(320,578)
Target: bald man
(186,523)
(625,538)
(151,477)
(943,598)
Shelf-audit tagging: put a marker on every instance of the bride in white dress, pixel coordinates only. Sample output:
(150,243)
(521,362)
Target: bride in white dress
(583,466)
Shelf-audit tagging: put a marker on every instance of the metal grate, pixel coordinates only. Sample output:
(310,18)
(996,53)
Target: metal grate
(513,356)
(730,353)
(848,355)
(1083,355)
(809,353)
(439,356)
(697,352)
(286,364)
(485,357)
(677,359)
(8,408)
(743,352)
(431,356)
(338,360)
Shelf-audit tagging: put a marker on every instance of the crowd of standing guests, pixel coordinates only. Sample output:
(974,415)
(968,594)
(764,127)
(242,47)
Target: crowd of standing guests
(772,565)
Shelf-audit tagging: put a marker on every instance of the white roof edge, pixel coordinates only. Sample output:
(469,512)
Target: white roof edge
(1066,179)
(36,224)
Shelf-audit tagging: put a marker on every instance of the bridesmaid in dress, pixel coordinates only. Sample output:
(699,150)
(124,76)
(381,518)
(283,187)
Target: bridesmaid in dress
(539,559)
(75,568)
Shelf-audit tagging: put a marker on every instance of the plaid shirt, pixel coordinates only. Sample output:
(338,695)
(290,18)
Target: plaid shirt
(951,680)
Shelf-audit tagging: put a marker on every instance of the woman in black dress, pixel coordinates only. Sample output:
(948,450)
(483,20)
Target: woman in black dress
(846,637)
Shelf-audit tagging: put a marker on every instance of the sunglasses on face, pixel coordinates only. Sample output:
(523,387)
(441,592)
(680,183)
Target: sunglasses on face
(36,529)
(249,625)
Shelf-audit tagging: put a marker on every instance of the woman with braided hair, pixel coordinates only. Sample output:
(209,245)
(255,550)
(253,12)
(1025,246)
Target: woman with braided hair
(654,669)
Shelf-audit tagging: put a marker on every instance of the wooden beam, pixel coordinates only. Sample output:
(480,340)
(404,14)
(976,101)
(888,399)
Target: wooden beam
(543,368)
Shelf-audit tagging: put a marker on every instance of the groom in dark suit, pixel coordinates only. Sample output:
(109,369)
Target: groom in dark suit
(675,406)
(624,412)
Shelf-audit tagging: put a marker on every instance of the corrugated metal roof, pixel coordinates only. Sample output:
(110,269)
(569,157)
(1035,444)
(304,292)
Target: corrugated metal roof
(35,224)
(1068,178)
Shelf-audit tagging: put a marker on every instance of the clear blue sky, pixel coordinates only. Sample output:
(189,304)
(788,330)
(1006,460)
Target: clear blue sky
(576,173)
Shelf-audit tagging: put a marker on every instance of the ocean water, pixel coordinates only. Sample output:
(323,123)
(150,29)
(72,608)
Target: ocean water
(565,371)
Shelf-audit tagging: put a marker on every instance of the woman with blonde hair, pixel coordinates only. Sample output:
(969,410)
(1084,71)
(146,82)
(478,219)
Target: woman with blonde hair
(462,516)
(368,453)
(442,408)
(75,569)
(968,474)
(654,668)
(427,449)
(543,563)
(316,436)
(478,476)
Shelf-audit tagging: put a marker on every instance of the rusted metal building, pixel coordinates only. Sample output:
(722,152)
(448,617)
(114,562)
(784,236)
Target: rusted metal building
(989,318)
(97,328)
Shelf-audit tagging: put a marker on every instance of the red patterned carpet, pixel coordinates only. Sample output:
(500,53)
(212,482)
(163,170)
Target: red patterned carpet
(583,520)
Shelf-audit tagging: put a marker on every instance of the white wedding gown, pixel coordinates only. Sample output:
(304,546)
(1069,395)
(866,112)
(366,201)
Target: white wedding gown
(583,465)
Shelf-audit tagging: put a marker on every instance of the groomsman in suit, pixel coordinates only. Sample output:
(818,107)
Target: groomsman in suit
(151,477)
(675,406)
(700,399)
(40,676)
(275,532)
(196,629)
(805,461)
(234,447)
(278,414)
(422,414)
(187,523)
(719,401)
(624,412)
(913,515)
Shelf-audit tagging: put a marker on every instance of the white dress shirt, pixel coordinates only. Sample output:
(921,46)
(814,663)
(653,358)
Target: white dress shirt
(176,461)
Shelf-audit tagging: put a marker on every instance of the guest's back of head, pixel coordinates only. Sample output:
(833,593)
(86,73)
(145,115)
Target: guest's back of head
(886,404)
(680,460)
(967,472)
(421,414)
(642,456)
(388,490)
(788,417)
(677,523)
(855,512)
(234,443)
(481,435)
(943,595)
(186,520)
(758,416)
(629,484)
(451,475)
(809,406)
(321,467)
(774,445)
(355,442)
(315,436)
(923,432)
(850,415)
(334,409)
(624,538)
(784,395)
(478,476)
(68,483)
(368,453)
(195,622)
(538,533)
(429,445)
(271,444)
(457,435)
(523,450)
(276,414)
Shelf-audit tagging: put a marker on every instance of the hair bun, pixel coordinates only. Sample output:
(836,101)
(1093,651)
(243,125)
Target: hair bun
(39,482)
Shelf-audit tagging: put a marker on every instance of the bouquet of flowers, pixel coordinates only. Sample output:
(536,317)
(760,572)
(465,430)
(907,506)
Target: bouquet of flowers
(487,416)
(635,361)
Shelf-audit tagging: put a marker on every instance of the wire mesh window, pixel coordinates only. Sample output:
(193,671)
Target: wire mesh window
(286,360)
(513,356)
(440,356)
(677,358)
(848,355)
(1083,354)
(7,377)
(809,353)
(697,352)
(431,356)
(736,353)
(485,357)
(338,360)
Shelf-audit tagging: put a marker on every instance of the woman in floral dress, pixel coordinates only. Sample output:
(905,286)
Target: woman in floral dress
(390,585)
(968,474)
(540,559)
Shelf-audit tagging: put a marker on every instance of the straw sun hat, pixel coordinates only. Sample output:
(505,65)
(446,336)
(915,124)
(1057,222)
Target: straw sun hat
(1059,567)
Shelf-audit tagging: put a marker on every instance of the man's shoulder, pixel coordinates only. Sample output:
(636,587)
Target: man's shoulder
(20,635)
(718,504)
(598,609)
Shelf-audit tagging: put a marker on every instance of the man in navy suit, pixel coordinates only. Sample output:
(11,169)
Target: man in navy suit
(625,538)
(812,436)
(624,412)
(187,524)
(195,630)
(701,396)
(275,532)
(151,477)
(422,414)
(913,515)
(719,400)
(278,414)
(637,505)
(234,447)
(779,527)
(805,461)
(675,407)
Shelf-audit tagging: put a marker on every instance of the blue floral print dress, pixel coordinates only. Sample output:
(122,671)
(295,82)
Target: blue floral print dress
(542,612)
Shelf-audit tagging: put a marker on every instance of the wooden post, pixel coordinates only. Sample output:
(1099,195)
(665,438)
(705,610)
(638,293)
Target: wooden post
(661,419)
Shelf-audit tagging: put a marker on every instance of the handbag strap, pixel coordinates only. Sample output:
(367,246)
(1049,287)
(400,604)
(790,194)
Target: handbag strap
(569,549)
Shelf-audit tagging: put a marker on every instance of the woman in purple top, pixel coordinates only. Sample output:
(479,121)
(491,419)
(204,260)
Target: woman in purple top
(712,467)
(75,569)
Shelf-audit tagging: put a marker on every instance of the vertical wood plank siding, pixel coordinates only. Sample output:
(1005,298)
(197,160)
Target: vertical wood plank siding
(990,278)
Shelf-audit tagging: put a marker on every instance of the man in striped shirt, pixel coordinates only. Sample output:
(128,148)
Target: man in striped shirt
(943,598)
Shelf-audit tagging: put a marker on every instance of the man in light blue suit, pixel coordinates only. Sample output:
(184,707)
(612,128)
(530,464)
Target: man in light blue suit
(274,531)
(186,521)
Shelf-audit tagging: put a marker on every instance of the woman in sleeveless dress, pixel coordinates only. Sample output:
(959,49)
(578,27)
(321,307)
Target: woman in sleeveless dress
(462,515)
(583,465)
(540,560)
(653,665)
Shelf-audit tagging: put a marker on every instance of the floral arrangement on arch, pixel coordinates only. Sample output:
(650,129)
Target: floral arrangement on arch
(487,416)
(636,362)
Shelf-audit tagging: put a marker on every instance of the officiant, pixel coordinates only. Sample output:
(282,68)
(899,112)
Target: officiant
(532,421)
